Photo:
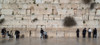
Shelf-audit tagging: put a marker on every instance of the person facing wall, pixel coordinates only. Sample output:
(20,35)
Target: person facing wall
(95,33)
(84,33)
(42,32)
(77,33)
(89,33)
(3,31)
(17,33)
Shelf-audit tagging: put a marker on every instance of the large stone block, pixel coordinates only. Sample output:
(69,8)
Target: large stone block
(79,22)
(47,1)
(92,23)
(25,6)
(70,12)
(91,17)
(75,1)
(60,11)
(20,1)
(1,1)
(9,17)
(78,18)
(28,12)
(98,1)
(6,1)
(98,12)
(52,34)
(60,34)
(33,33)
(97,17)
(45,17)
(12,1)
(64,1)
(6,11)
(38,1)
(0,6)
(85,17)
(57,17)
(6,6)
(55,1)
(22,12)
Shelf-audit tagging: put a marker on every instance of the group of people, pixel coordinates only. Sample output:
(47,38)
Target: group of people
(43,34)
(8,34)
(89,32)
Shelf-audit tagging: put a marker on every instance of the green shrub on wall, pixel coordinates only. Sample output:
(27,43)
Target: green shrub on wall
(34,20)
(2,20)
(69,21)
(92,6)
(87,1)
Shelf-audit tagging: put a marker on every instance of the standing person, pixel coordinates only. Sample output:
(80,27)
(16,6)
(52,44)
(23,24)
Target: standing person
(3,31)
(89,33)
(30,33)
(17,33)
(95,33)
(11,33)
(77,33)
(42,31)
(84,32)
(8,35)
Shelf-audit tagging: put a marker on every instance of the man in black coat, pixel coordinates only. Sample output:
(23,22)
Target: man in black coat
(3,31)
(42,32)
(17,33)
(84,32)
(77,33)
(95,33)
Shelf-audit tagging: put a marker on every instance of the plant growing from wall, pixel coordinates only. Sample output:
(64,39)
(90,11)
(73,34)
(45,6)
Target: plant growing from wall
(32,13)
(84,22)
(2,20)
(22,18)
(34,2)
(46,8)
(37,4)
(20,8)
(87,1)
(0,15)
(69,21)
(92,5)
(13,13)
(34,20)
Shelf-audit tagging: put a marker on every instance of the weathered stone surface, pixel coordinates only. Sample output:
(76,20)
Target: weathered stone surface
(19,15)
(98,12)
(6,11)
(0,6)
(98,1)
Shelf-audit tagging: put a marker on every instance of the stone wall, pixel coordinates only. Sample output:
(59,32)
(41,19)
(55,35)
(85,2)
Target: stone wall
(19,15)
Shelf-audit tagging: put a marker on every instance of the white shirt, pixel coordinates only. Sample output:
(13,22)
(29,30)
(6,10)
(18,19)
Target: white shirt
(89,30)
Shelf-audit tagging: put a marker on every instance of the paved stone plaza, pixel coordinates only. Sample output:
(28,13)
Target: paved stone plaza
(51,41)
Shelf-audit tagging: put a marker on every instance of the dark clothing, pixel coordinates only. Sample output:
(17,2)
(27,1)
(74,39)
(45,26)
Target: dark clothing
(84,33)
(17,33)
(94,33)
(17,36)
(3,31)
(77,33)
(10,36)
(42,33)
(89,34)
(46,36)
